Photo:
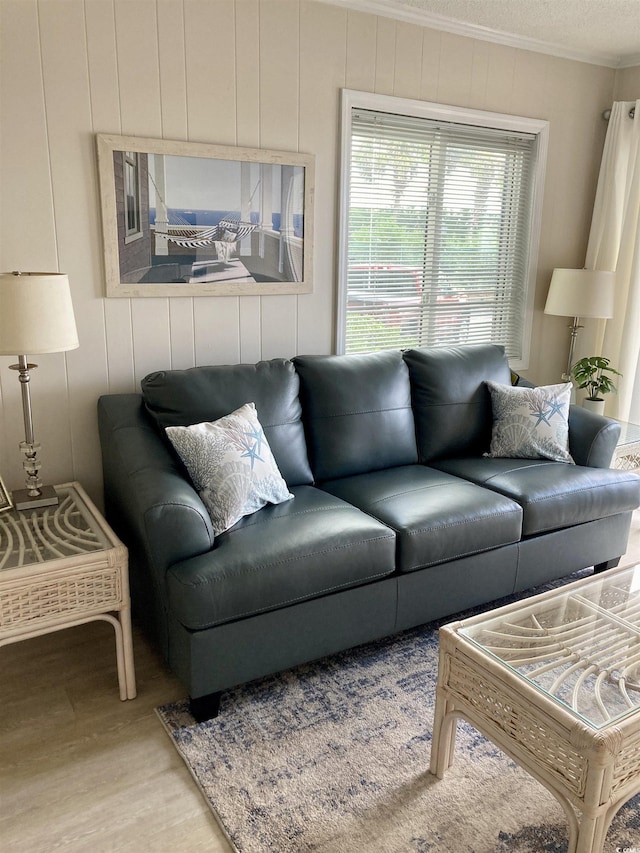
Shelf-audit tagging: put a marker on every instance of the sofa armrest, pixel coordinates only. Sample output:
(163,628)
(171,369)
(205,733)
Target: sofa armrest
(149,500)
(592,438)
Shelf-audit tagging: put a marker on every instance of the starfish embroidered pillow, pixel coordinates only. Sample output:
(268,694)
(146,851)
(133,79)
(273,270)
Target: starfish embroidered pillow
(530,423)
(231,466)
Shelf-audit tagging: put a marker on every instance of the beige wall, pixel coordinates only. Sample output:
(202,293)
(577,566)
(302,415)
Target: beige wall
(264,74)
(627,85)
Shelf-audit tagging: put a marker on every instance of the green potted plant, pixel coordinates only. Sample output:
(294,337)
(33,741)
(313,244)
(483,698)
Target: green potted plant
(594,373)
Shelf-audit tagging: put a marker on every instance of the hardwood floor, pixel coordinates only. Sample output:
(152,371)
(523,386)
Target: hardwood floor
(82,771)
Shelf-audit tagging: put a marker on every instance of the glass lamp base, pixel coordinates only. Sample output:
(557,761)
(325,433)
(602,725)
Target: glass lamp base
(23,500)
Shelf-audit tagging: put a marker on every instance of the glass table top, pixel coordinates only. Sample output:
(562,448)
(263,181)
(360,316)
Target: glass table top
(580,644)
(629,433)
(29,537)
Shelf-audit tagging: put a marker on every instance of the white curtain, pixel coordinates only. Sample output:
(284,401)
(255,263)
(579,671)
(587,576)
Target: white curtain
(614,244)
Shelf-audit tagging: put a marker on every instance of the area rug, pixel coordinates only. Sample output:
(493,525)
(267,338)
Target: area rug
(333,757)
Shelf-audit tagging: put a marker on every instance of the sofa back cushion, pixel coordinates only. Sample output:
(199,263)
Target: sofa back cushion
(200,394)
(451,401)
(357,412)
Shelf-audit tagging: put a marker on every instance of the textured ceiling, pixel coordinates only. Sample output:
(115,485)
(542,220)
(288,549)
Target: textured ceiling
(602,31)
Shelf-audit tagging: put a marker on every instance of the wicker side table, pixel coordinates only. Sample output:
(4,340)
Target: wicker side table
(627,453)
(63,566)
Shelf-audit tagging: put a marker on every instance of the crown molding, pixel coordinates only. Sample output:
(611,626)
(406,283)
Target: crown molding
(412,15)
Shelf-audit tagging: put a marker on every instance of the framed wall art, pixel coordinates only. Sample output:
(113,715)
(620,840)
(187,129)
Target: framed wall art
(192,219)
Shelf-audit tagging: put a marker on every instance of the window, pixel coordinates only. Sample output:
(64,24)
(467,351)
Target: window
(132,206)
(440,219)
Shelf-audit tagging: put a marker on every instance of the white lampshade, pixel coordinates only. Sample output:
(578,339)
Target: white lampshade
(581,293)
(36,313)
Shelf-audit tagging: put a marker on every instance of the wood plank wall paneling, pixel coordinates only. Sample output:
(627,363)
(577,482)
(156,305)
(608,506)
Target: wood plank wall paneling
(408,70)
(279,127)
(360,72)
(259,73)
(385,56)
(24,173)
(71,155)
(431,52)
(323,43)
(104,82)
(247,71)
(172,69)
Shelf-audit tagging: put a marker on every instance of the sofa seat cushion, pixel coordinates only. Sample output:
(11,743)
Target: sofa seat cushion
(436,517)
(552,495)
(311,546)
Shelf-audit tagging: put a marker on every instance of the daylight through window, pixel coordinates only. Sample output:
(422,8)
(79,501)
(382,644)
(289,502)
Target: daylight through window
(439,233)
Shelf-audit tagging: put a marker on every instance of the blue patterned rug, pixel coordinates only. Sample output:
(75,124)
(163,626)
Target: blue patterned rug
(333,757)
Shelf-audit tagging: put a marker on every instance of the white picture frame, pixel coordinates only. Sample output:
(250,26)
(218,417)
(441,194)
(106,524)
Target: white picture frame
(193,219)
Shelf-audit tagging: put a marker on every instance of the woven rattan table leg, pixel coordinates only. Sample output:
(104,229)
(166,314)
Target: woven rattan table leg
(124,655)
(444,735)
(591,832)
(120,664)
(127,641)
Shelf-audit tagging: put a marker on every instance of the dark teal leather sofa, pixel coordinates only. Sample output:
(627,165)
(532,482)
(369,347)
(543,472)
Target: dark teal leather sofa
(397,517)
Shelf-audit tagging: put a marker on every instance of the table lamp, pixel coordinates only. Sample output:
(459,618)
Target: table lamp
(36,316)
(580,293)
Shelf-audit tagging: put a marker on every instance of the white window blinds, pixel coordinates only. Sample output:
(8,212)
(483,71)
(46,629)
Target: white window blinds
(438,238)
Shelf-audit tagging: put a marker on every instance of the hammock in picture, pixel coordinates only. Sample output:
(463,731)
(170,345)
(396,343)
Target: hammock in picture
(226,231)
(224,235)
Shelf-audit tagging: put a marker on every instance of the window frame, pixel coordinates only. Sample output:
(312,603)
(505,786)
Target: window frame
(131,161)
(353,100)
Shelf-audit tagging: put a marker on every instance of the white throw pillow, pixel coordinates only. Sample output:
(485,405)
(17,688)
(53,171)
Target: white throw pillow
(231,465)
(530,423)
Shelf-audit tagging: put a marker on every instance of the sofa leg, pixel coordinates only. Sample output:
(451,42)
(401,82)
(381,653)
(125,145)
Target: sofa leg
(205,708)
(602,567)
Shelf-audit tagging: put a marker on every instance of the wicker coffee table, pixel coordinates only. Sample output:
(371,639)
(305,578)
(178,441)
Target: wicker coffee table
(554,681)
